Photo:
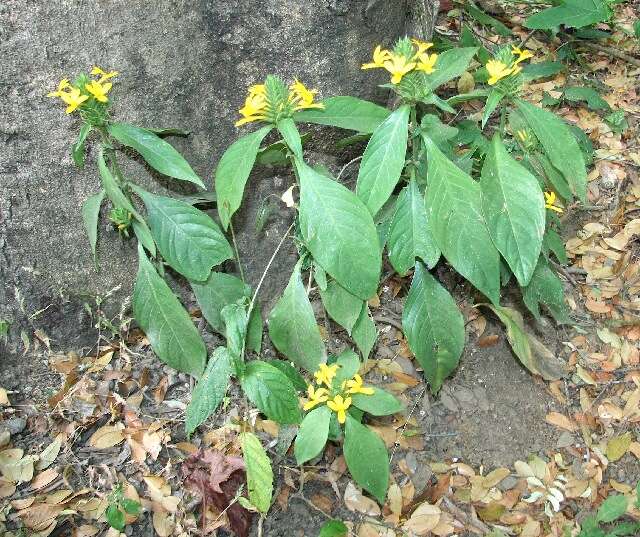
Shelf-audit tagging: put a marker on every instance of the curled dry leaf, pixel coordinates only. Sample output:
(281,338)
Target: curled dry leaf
(356,501)
(107,436)
(423,520)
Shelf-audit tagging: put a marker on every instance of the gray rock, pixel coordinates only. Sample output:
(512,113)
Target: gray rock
(13,425)
(182,64)
(507,483)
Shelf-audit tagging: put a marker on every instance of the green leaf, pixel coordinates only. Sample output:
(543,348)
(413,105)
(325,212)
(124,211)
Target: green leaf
(434,327)
(612,508)
(210,389)
(90,214)
(554,177)
(333,528)
(235,322)
(217,291)
(487,20)
(589,95)
(455,214)
(291,373)
(77,149)
(546,288)
(380,403)
(287,128)
(559,144)
(493,100)
(347,113)
(533,71)
(165,322)
(553,242)
(349,365)
(233,171)
(410,234)
(320,276)
(513,209)
(159,154)
(339,232)
(130,506)
(143,234)
(115,517)
(343,307)
(293,328)
(364,332)
(367,458)
(169,131)
(313,434)
(451,64)
(271,391)
(111,187)
(572,14)
(188,239)
(259,472)
(383,160)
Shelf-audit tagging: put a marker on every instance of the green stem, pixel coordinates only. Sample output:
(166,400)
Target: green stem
(237,253)
(503,120)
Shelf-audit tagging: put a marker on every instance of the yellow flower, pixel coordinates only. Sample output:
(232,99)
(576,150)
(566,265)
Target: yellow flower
(355,386)
(523,135)
(63,85)
(69,95)
(98,90)
(340,406)
(302,97)
(422,45)
(498,70)
(549,202)
(316,397)
(522,55)
(103,74)
(398,66)
(326,373)
(380,56)
(254,109)
(258,89)
(427,62)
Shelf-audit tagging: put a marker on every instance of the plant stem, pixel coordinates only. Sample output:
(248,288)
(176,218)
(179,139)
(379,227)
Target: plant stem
(414,142)
(237,253)
(503,120)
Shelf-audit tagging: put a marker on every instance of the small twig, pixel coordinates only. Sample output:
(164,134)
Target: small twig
(389,321)
(609,51)
(406,422)
(346,166)
(235,248)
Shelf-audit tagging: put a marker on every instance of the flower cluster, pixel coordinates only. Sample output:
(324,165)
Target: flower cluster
(271,101)
(407,56)
(498,69)
(337,398)
(84,90)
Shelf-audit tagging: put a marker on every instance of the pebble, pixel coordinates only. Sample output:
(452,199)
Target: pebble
(14,425)
(508,483)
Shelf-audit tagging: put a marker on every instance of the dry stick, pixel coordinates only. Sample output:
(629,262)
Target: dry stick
(611,51)
(346,166)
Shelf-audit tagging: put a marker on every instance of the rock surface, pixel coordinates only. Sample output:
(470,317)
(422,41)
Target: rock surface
(183,64)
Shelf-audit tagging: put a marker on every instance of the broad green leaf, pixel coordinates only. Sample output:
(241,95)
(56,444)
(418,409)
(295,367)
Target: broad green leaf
(320,276)
(210,389)
(143,234)
(553,176)
(520,342)
(559,144)
(513,209)
(188,239)
(546,288)
(349,363)
(291,373)
(380,403)
(572,14)
(457,225)
(533,71)
(132,507)
(287,128)
(233,171)
(159,154)
(313,434)
(483,18)
(364,332)
(77,149)
(493,100)
(451,64)
(347,113)
(589,95)
(259,472)
(343,307)
(235,321)
(111,187)
(612,508)
(217,291)
(115,517)
(293,328)
(410,234)
(90,214)
(338,230)
(439,132)
(333,528)
(165,322)
(434,327)
(553,242)
(271,391)
(383,160)
(367,458)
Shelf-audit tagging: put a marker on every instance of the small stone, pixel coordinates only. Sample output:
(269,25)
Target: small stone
(565,440)
(14,425)
(507,483)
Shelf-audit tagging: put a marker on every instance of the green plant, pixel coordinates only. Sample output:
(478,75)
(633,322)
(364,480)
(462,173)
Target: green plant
(119,507)
(607,522)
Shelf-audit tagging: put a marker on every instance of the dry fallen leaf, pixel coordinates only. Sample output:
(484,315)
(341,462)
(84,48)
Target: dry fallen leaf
(107,436)
(356,501)
(424,519)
